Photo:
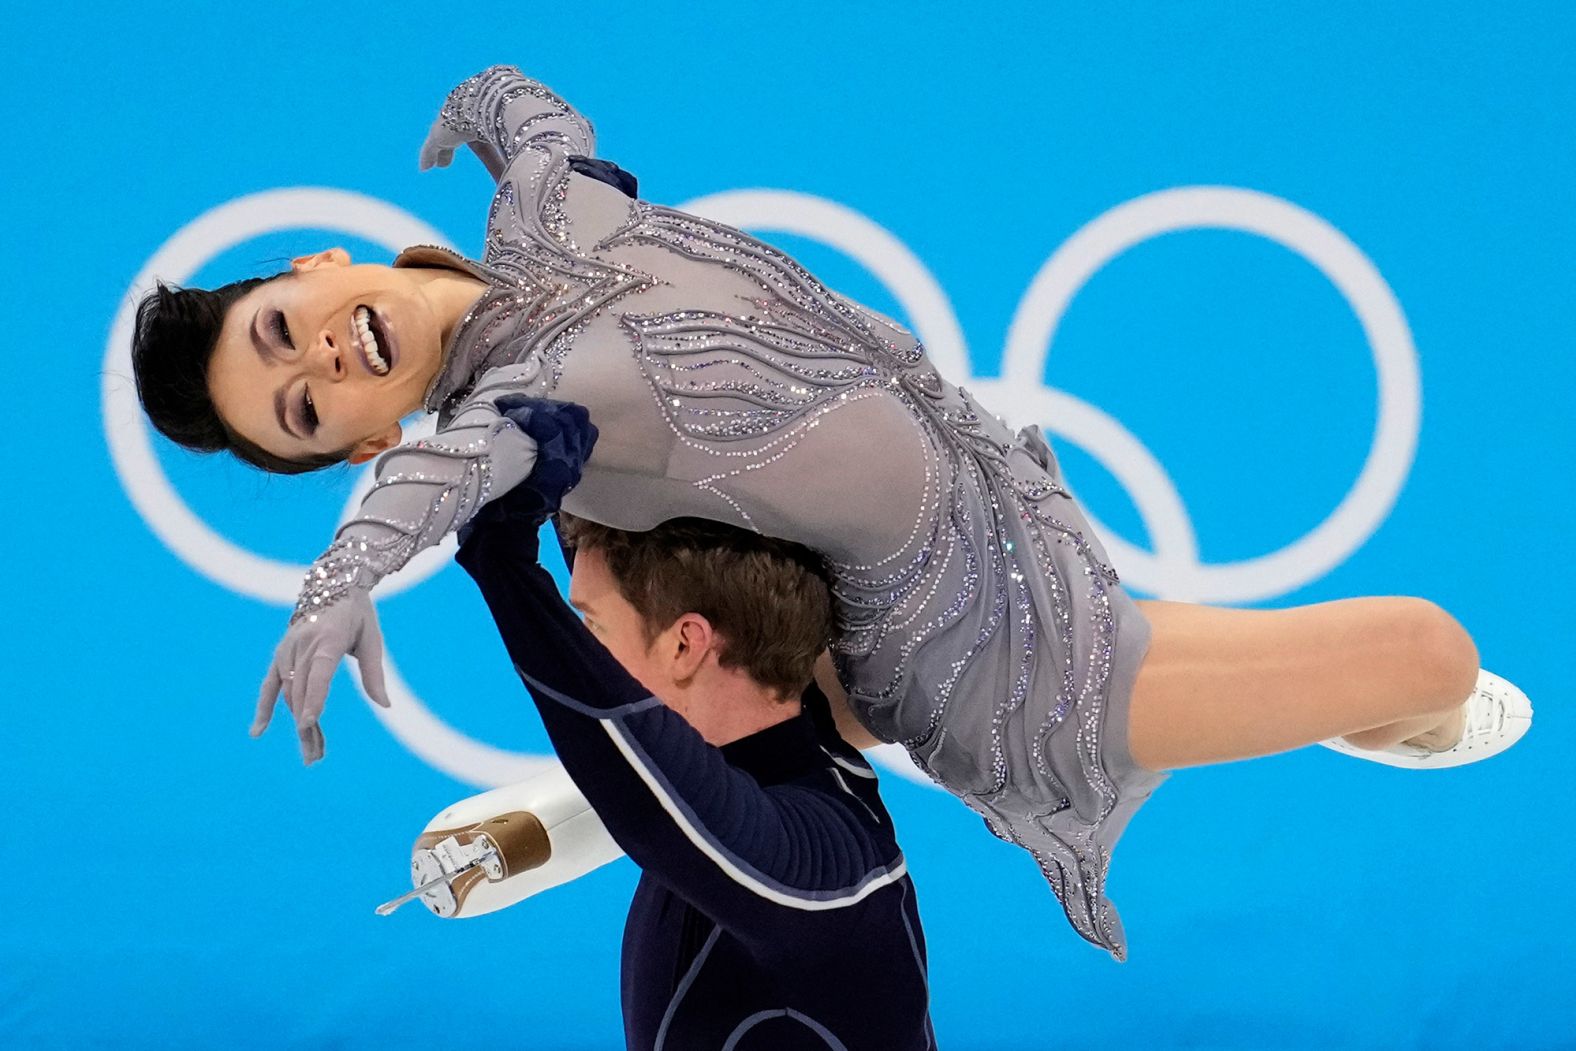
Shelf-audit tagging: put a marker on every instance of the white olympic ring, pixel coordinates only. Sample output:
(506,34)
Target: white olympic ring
(1173,570)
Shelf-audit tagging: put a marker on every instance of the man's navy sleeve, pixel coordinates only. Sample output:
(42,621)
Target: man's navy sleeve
(772,864)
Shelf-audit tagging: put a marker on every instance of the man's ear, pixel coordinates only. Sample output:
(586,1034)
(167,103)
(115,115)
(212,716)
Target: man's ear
(695,642)
(327,257)
(367,448)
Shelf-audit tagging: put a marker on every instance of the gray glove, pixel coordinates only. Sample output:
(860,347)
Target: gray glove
(425,490)
(307,657)
(442,141)
(500,112)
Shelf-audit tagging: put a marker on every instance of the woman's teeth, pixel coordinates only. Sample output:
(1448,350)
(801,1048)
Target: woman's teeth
(369,342)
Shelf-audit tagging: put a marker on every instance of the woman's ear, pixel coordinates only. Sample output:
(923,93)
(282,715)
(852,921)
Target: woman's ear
(327,257)
(367,448)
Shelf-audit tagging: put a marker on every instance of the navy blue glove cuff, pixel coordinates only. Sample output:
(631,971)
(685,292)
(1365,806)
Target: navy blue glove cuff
(564,437)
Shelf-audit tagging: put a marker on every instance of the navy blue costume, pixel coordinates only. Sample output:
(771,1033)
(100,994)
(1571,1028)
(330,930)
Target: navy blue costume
(774,909)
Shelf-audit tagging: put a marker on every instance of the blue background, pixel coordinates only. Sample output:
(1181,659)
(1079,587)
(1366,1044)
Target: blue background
(171,883)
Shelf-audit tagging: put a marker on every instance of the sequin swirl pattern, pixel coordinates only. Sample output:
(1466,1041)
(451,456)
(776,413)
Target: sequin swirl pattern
(453,469)
(988,536)
(980,622)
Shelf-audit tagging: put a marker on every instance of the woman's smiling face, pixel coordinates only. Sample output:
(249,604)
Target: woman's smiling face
(327,358)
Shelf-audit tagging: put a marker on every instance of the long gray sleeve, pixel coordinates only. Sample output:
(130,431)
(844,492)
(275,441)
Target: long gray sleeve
(520,131)
(502,114)
(424,491)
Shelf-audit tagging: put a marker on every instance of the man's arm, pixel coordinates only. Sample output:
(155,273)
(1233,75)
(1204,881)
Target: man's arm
(771,864)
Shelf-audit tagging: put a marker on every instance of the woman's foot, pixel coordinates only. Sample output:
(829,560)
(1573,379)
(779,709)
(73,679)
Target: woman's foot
(1446,735)
(1493,718)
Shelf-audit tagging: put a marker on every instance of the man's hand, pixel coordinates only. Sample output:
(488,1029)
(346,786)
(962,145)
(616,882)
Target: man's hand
(564,436)
(306,659)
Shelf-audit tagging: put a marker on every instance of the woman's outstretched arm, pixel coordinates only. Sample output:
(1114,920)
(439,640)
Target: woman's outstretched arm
(502,115)
(425,490)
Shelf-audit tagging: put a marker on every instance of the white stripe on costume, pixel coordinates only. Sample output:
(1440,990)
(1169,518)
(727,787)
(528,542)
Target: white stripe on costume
(751,881)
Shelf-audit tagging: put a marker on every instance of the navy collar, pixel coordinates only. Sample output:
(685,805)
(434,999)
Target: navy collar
(783,751)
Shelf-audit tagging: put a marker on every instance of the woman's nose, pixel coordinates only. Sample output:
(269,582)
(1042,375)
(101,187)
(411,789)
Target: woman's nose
(327,358)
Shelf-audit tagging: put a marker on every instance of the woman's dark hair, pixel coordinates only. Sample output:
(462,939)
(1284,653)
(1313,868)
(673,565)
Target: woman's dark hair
(173,341)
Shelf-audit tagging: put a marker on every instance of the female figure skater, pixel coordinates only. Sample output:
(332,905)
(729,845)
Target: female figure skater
(980,622)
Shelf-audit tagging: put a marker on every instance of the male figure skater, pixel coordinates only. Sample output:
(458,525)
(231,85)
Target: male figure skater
(774,907)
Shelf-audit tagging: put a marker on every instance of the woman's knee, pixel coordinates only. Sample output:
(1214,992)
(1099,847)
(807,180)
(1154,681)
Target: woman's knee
(1445,654)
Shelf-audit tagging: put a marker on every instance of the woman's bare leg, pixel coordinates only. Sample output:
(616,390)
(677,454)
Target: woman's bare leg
(837,699)
(1224,684)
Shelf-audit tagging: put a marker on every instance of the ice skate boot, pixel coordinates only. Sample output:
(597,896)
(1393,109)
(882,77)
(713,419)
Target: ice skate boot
(492,850)
(1497,714)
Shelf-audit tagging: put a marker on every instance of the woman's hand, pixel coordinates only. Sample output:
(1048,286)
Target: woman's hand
(307,657)
(438,150)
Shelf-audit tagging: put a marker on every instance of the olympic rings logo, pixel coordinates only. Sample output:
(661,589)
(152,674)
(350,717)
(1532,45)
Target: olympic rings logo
(1172,570)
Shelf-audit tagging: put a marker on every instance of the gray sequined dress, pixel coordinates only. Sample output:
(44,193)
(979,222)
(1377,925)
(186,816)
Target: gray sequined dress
(981,624)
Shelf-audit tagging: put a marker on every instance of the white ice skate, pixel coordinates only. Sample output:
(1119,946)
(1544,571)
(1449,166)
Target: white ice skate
(1497,715)
(492,850)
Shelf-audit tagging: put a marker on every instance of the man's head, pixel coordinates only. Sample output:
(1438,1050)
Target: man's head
(298,371)
(722,624)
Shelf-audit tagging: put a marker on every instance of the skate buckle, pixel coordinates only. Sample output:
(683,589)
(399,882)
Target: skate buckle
(435,869)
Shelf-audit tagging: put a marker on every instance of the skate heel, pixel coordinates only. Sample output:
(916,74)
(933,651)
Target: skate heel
(489,851)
